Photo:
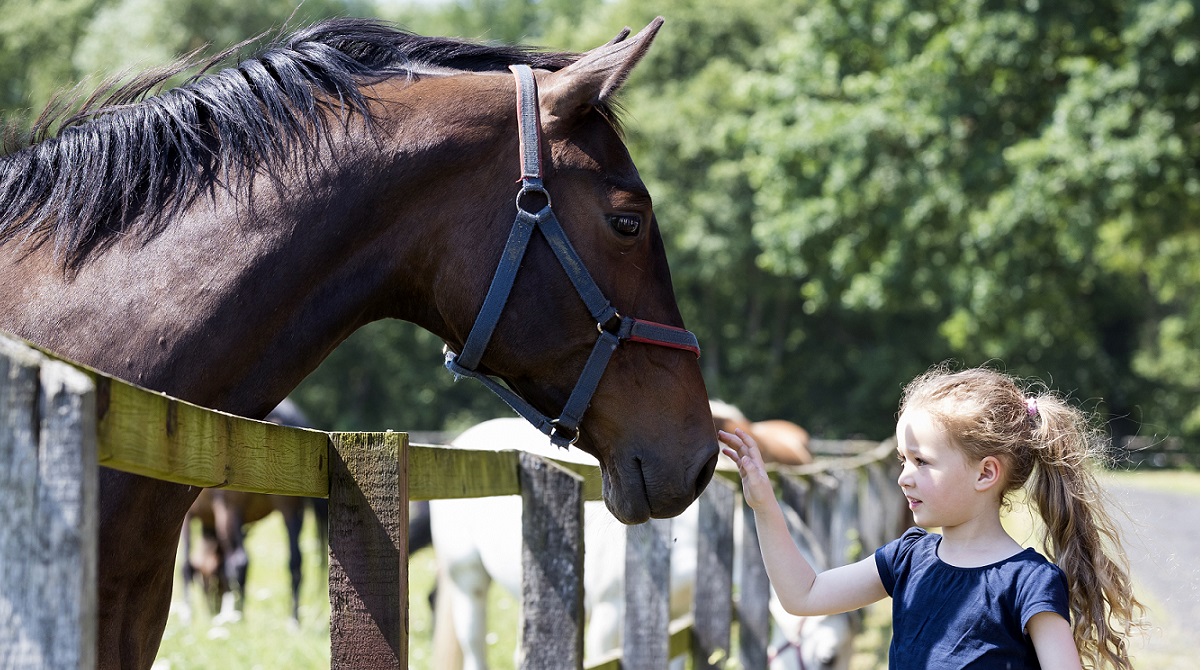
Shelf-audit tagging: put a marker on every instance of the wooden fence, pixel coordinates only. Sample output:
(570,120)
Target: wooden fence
(59,421)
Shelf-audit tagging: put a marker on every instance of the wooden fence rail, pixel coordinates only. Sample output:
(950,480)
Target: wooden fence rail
(59,421)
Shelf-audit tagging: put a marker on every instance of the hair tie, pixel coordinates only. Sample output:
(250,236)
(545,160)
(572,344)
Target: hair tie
(1032,407)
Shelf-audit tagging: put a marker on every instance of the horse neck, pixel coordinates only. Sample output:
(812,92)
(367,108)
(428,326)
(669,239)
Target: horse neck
(210,310)
(234,302)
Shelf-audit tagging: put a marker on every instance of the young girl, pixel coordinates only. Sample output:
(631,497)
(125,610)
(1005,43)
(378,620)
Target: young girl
(972,596)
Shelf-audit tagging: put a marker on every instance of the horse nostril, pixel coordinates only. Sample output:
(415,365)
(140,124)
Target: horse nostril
(705,476)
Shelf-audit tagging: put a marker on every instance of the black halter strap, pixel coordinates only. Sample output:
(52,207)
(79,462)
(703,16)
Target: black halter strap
(613,328)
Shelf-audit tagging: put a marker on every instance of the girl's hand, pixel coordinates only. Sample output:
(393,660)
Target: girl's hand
(740,447)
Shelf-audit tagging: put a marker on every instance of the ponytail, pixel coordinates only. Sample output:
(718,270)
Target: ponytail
(1081,538)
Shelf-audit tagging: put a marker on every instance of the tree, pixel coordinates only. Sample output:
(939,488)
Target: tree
(988,183)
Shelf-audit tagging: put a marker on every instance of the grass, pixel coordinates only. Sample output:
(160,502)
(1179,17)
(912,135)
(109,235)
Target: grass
(1166,481)
(266,639)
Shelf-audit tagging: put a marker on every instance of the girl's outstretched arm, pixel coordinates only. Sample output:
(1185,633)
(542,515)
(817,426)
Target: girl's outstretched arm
(802,590)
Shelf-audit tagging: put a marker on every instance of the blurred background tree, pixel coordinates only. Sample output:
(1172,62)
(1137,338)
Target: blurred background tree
(850,190)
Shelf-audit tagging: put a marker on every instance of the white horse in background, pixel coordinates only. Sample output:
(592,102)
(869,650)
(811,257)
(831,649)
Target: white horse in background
(478,540)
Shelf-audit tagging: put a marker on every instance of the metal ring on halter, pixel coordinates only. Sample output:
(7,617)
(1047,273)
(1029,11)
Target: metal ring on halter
(528,189)
(555,423)
(600,327)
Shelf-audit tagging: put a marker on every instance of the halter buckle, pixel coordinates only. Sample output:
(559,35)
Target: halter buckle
(557,428)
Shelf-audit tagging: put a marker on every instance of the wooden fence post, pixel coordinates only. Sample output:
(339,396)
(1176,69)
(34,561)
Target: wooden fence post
(715,560)
(845,541)
(552,566)
(368,551)
(644,641)
(48,484)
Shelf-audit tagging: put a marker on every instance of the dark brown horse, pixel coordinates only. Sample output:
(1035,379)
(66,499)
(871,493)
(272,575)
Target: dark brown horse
(217,241)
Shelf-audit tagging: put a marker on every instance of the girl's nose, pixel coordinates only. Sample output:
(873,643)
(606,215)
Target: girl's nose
(905,479)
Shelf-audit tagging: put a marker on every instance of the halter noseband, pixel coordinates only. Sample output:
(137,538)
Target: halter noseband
(613,327)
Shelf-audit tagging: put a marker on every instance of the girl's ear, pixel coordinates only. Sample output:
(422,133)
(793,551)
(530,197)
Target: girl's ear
(989,473)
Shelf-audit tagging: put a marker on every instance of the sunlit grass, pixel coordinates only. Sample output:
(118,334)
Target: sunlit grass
(265,638)
(1165,481)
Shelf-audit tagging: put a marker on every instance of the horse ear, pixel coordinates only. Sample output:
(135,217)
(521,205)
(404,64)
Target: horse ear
(594,77)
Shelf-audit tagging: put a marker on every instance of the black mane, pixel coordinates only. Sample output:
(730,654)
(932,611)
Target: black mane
(130,156)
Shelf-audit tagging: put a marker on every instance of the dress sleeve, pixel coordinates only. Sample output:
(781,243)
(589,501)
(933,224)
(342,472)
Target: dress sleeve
(1046,590)
(893,555)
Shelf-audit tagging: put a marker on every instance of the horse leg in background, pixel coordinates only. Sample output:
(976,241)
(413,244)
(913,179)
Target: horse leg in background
(321,516)
(211,565)
(420,534)
(462,588)
(187,571)
(447,653)
(227,518)
(292,510)
(462,531)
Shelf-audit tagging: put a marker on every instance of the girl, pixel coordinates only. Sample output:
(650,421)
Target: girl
(972,596)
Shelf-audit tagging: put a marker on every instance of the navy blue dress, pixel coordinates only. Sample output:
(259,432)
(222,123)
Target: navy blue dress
(955,618)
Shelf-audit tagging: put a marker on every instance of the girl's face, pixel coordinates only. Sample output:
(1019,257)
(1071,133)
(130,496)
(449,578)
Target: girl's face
(936,478)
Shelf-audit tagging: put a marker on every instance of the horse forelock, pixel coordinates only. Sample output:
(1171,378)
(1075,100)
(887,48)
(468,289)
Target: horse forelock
(130,159)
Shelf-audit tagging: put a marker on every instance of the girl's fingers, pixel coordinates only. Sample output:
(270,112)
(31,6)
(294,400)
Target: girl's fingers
(729,439)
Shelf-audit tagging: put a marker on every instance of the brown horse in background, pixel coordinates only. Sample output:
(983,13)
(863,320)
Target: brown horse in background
(221,562)
(779,441)
(218,240)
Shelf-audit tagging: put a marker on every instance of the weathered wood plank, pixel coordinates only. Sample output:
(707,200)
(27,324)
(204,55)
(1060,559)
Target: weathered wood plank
(552,560)
(753,597)
(368,551)
(158,436)
(20,643)
(67,517)
(443,472)
(48,494)
(845,546)
(714,600)
(152,434)
(644,639)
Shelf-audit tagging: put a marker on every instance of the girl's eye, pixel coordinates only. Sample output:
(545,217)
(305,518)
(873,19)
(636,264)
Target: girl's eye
(626,224)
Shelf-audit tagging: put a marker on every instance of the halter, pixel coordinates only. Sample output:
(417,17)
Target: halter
(613,327)
(790,644)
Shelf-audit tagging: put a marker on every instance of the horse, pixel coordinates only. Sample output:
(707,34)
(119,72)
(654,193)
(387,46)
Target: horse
(478,540)
(216,240)
(779,440)
(221,564)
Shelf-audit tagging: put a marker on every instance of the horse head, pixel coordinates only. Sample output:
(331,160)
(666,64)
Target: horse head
(647,420)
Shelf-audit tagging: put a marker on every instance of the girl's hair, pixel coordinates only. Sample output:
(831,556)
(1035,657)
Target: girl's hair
(1048,446)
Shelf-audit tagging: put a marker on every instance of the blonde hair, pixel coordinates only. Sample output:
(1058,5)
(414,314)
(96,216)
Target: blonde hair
(1048,446)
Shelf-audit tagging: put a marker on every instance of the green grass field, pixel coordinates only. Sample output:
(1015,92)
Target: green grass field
(266,639)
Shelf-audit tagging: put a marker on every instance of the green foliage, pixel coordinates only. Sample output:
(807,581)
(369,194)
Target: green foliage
(873,187)
(850,191)
(389,375)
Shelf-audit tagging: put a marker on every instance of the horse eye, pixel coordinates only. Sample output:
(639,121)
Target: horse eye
(626,224)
